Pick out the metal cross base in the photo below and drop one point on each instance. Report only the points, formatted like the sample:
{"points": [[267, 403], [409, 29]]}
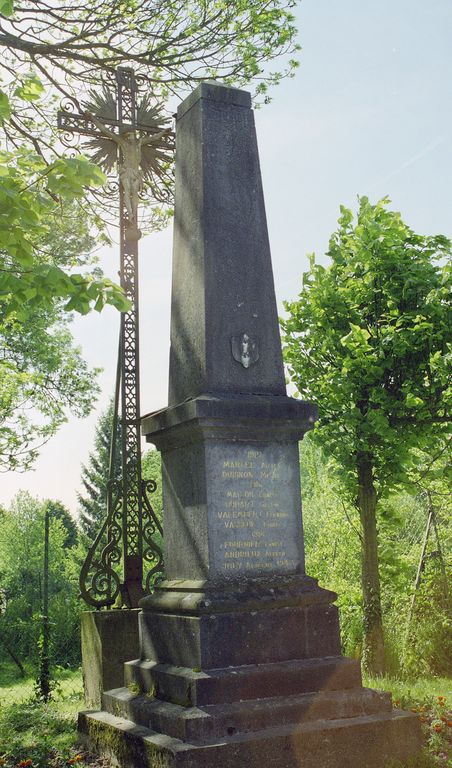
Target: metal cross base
{"points": [[100, 582]]}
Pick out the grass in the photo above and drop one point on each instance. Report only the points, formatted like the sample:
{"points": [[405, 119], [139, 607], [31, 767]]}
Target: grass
{"points": [[430, 699], [410, 692], [32, 730], [14, 688], [46, 734]]}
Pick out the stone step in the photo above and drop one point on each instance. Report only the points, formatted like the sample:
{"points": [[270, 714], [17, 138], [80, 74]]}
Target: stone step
{"points": [[210, 723], [189, 687], [359, 742]]}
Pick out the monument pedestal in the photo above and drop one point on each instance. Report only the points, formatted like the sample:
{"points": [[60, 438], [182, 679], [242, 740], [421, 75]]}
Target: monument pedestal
{"points": [[252, 676], [240, 659], [242, 666]]}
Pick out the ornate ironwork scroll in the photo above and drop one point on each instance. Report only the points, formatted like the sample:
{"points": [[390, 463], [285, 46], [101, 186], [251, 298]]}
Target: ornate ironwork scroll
{"points": [[120, 132]]}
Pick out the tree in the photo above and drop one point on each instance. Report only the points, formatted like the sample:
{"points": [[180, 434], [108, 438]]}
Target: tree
{"points": [[93, 503], [37, 262], [72, 50], [43, 376], [95, 475], [58, 511], [369, 340], [332, 540], [68, 55], [174, 44], [22, 548]]}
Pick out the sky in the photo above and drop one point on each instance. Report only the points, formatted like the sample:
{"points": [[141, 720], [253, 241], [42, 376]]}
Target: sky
{"points": [[368, 113]]}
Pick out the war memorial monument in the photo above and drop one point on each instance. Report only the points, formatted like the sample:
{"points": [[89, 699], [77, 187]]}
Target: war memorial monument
{"points": [[239, 650]]}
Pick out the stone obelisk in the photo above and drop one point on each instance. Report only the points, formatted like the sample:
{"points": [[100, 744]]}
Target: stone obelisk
{"points": [[240, 650]]}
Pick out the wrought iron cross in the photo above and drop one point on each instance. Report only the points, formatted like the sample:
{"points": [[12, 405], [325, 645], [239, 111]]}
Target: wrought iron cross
{"points": [[134, 139]]}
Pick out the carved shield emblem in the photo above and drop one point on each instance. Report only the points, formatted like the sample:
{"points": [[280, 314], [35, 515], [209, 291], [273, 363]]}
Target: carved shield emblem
{"points": [[245, 349]]}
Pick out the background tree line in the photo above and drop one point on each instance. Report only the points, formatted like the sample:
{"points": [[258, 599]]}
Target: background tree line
{"points": [[22, 562]]}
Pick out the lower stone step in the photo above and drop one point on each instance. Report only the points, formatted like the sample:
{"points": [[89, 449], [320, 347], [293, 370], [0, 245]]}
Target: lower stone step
{"points": [[190, 687], [359, 742], [202, 725]]}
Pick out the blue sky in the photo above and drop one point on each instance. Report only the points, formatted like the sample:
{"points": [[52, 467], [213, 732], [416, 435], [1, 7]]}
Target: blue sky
{"points": [[370, 113]]}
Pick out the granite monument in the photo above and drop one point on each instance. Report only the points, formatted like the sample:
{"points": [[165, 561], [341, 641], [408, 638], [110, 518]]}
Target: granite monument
{"points": [[240, 660]]}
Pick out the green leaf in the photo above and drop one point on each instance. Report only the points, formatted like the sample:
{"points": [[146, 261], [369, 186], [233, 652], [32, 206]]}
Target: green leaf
{"points": [[6, 7], [5, 107], [30, 89], [412, 401]]}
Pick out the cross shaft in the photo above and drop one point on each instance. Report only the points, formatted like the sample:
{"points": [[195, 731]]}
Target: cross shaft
{"points": [[131, 494]]}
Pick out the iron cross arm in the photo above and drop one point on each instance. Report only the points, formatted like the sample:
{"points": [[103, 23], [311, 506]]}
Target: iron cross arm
{"points": [[77, 122], [74, 122]]}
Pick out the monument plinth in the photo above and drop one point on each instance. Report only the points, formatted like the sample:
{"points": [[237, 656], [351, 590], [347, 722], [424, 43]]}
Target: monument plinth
{"points": [[240, 649]]}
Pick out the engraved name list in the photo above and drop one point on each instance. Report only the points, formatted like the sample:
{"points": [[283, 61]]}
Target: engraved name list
{"points": [[255, 518]]}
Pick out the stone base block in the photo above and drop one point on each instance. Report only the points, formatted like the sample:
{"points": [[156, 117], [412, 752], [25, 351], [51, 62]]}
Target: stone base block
{"points": [[109, 638], [368, 741], [254, 621], [259, 637]]}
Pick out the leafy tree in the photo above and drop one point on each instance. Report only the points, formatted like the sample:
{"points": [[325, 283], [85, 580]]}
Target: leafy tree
{"points": [[69, 55], [95, 474], [173, 44], [42, 377], [64, 50], [332, 541], [369, 340], [42, 374], [21, 568], [36, 263], [58, 511]]}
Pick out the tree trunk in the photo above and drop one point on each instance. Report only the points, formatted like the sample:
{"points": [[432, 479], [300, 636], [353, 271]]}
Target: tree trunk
{"points": [[373, 653], [14, 657], [44, 683]]}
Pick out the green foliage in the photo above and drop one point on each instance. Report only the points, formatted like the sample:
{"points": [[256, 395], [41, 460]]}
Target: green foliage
{"points": [[59, 512], [32, 274], [369, 341], [44, 261], [429, 699], [152, 470], [429, 649], [45, 241], [5, 108], [333, 551], [21, 559], [42, 377], [93, 503], [6, 7], [175, 43], [332, 541], [30, 89]]}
